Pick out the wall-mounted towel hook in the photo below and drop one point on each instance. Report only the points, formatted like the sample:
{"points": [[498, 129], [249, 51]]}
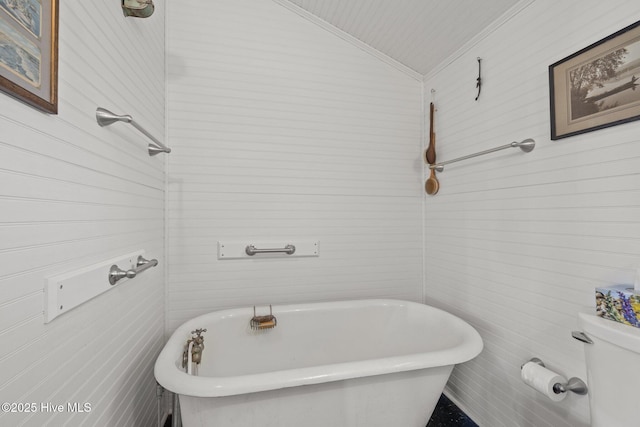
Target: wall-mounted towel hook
{"points": [[479, 79]]}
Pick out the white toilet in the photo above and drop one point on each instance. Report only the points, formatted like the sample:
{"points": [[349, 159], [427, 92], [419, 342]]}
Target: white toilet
{"points": [[613, 371]]}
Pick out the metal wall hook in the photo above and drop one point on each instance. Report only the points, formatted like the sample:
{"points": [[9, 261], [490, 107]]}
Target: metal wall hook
{"points": [[479, 79]]}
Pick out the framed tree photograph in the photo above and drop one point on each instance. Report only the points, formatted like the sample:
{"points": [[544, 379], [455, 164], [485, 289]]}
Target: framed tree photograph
{"points": [[597, 87], [29, 52]]}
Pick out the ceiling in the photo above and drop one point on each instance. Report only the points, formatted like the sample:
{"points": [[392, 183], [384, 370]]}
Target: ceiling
{"points": [[419, 34]]}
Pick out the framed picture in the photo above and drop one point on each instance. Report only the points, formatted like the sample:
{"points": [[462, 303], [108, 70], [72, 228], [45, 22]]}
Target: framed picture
{"points": [[29, 52], [597, 87]]}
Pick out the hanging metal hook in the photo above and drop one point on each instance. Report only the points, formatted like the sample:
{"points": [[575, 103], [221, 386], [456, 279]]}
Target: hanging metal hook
{"points": [[479, 79]]}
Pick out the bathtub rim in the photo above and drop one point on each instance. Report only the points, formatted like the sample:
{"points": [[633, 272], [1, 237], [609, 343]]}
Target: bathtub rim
{"points": [[177, 381]]}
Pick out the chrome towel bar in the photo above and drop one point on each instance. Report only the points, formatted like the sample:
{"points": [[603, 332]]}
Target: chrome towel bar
{"points": [[527, 145], [252, 250], [105, 118], [116, 273]]}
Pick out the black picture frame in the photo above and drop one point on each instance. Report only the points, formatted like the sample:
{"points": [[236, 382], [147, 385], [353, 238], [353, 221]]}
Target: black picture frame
{"points": [[597, 87]]}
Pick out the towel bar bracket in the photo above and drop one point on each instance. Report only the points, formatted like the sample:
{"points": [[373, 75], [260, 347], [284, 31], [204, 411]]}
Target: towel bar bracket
{"points": [[116, 273]]}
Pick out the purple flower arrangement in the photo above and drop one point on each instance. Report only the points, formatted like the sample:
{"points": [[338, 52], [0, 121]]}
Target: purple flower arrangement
{"points": [[627, 310], [619, 303]]}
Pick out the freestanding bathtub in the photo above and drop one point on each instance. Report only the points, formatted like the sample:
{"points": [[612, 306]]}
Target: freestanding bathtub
{"points": [[340, 364]]}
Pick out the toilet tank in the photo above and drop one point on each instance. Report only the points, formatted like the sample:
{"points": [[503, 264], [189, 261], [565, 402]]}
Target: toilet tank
{"points": [[613, 371]]}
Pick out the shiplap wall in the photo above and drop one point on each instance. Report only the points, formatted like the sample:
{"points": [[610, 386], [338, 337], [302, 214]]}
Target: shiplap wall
{"points": [[282, 130], [516, 243], [73, 194]]}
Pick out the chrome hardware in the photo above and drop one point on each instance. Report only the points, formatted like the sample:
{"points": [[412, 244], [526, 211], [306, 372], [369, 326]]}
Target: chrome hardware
{"points": [[144, 264], [154, 149], [527, 146], [574, 384], [581, 336], [116, 273], [252, 250], [105, 118]]}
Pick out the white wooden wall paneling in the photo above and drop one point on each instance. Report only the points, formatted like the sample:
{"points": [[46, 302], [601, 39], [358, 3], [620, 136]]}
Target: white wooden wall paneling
{"points": [[71, 194], [516, 243], [282, 130]]}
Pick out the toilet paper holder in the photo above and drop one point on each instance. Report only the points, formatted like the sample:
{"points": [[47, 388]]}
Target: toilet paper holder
{"points": [[574, 384]]}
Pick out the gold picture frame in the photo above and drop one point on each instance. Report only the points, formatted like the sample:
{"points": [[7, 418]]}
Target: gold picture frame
{"points": [[596, 87], [29, 52]]}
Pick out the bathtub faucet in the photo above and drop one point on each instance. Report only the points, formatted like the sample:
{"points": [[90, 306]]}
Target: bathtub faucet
{"points": [[193, 349]]}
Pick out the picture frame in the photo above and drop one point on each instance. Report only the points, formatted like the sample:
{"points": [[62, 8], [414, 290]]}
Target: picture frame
{"points": [[29, 52], [597, 87]]}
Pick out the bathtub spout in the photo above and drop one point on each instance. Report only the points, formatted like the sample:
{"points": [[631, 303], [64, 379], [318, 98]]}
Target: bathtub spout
{"points": [[192, 354]]}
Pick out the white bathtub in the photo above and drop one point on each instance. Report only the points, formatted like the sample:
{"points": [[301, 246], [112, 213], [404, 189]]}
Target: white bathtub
{"points": [[340, 364]]}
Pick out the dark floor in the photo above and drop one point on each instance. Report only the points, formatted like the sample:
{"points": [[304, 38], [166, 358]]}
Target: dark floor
{"points": [[446, 414]]}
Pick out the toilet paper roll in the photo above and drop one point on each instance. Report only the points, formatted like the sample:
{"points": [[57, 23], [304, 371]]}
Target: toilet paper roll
{"points": [[543, 380]]}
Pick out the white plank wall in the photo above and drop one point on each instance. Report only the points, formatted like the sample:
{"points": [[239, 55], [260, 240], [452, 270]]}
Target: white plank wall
{"points": [[282, 130], [73, 194], [516, 243]]}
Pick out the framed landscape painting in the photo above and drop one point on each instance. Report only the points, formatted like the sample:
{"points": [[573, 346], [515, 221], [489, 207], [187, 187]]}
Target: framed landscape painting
{"points": [[29, 52], [597, 87]]}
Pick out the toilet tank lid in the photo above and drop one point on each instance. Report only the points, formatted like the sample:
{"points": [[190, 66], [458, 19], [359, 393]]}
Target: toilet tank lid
{"points": [[625, 336]]}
